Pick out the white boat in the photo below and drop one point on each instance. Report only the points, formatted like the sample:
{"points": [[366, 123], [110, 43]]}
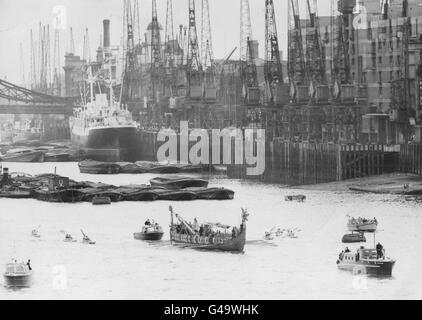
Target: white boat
{"points": [[18, 275], [362, 225]]}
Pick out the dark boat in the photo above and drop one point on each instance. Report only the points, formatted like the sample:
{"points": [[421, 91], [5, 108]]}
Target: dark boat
{"points": [[149, 233], [15, 194], [178, 182], [56, 157], [212, 193], [97, 201], [176, 195], [366, 262], [142, 195], [113, 196], [185, 235], [164, 169], [18, 275], [96, 167], [298, 198], [23, 156], [354, 238], [64, 195]]}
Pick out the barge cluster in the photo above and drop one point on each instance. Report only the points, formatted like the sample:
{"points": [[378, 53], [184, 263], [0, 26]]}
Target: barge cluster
{"points": [[55, 188]]}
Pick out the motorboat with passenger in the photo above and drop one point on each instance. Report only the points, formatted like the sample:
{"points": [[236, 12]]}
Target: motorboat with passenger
{"points": [[366, 262], [151, 231], [362, 225], [18, 275]]}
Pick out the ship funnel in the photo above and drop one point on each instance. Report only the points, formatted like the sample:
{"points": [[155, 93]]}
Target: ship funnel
{"points": [[106, 40]]}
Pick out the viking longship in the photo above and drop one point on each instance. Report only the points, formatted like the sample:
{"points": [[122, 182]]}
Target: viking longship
{"points": [[208, 236]]}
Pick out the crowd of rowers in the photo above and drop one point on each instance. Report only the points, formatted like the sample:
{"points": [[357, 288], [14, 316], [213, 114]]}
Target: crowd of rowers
{"points": [[206, 230]]}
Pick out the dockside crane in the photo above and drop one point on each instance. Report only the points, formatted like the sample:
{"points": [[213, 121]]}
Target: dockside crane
{"points": [[207, 54], [193, 66], [341, 62], [170, 76], [156, 62], [315, 53], [248, 72], [273, 70], [296, 64]]}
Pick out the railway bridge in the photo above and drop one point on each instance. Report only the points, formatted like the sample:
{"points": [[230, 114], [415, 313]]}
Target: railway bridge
{"points": [[18, 100]]}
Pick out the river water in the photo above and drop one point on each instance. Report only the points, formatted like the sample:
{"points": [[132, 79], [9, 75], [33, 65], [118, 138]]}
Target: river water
{"points": [[119, 267]]}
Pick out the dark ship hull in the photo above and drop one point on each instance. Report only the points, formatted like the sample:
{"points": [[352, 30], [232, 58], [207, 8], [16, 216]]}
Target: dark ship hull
{"points": [[108, 143]]}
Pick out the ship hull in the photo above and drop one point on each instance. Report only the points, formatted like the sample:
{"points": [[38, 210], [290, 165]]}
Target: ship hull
{"points": [[149, 236], [18, 281], [108, 143], [380, 268], [36, 156], [235, 245]]}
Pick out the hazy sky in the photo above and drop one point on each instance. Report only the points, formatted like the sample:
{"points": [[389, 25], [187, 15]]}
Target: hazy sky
{"points": [[17, 17]]}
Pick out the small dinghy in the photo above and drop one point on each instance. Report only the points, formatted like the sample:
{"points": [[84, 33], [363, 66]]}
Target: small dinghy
{"points": [[35, 233], [354, 238], [68, 238], [18, 275], [86, 239], [151, 231], [298, 198], [98, 201]]}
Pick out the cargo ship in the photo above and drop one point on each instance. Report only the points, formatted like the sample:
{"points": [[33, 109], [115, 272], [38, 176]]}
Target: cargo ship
{"points": [[103, 128]]}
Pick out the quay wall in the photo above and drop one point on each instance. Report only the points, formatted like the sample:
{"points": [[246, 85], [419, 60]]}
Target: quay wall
{"points": [[411, 158], [292, 163]]}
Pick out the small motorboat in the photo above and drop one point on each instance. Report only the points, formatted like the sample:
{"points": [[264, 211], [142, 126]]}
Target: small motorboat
{"points": [[18, 275], [362, 225], [150, 232], [68, 238], [298, 198], [366, 262], [86, 239], [354, 238], [98, 201]]}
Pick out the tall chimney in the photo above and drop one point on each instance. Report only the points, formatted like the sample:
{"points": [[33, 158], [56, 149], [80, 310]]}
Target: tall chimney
{"points": [[106, 42]]}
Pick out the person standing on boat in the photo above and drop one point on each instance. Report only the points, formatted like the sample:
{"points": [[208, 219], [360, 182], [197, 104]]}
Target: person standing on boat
{"points": [[148, 223], [380, 249], [29, 264], [195, 226]]}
